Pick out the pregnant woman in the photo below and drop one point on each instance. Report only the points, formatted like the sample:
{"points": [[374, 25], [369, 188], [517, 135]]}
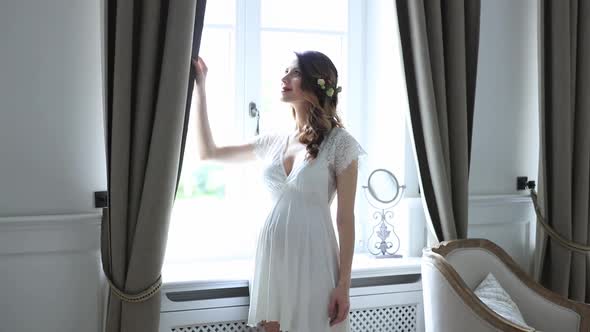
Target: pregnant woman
{"points": [[301, 278]]}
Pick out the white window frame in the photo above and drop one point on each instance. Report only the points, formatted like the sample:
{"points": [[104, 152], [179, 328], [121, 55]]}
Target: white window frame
{"points": [[247, 89], [248, 26]]}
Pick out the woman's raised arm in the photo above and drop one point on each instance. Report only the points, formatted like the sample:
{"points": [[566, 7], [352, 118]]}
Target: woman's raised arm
{"points": [[206, 145]]}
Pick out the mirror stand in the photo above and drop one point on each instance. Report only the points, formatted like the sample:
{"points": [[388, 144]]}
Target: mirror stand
{"points": [[383, 192]]}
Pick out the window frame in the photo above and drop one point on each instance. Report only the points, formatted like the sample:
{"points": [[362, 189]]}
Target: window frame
{"points": [[247, 88]]}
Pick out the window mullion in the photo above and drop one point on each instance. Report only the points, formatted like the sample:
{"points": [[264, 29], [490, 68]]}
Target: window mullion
{"points": [[249, 24], [356, 67], [240, 73], [356, 119]]}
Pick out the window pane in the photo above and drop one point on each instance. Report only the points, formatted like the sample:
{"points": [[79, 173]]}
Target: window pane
{"points": [[209, 228], [305, 14], [387, 92], [205, 188], [217, 50], [277, 53], [220, 12]]}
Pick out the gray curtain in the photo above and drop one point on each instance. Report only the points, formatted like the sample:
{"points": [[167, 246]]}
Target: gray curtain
{"points": [[440, 43], [564, 190], [150, 44]]}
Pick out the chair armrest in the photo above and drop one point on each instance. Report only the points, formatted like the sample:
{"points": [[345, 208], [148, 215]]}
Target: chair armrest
{"points": [[541, 308], [449, 305]]}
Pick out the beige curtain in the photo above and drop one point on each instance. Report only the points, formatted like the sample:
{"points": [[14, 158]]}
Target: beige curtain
{"points": [[440, 43], [564, 188], [150, 44]]}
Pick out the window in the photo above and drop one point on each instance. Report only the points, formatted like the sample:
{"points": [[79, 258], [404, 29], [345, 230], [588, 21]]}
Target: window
{"points": [[246, 45]]}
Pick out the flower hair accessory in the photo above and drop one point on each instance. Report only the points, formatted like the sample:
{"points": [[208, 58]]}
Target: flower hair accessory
{"points": [[328, 88]]}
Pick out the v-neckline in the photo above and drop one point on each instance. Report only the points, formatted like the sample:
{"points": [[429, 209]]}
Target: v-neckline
{"points": [[302, 163], [282, 159]]}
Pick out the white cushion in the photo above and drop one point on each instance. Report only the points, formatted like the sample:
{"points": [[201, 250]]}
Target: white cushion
{"points": [[495, 297]]}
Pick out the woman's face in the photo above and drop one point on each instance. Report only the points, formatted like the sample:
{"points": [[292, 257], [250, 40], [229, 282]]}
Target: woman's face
{"points": [[291, 84]]}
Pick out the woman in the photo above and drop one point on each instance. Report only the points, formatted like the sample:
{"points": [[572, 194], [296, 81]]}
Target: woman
{"points": [[301, 278]]}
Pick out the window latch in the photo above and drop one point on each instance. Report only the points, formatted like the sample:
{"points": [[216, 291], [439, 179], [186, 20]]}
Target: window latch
{"points": [[254, 113]]}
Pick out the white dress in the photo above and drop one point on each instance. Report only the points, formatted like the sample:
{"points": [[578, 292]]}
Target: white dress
{"points": [[297, 255]]}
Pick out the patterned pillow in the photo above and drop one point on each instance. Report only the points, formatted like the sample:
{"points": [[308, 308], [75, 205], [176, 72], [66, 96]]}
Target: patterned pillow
{"points": [[495, 297]]}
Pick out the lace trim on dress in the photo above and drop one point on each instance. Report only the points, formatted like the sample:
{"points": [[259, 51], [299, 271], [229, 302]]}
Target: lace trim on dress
{"points": [[343, 149]]}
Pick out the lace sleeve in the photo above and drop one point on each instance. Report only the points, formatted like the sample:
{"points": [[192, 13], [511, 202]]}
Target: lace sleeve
{"points": [[346, 149], [263, 144]]}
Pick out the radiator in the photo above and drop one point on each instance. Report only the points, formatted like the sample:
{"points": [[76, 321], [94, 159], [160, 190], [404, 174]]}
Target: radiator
{"points": [[378, 304]]}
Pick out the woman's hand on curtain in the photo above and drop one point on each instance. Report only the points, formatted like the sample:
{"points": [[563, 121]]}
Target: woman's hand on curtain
{"points": [[200, 71]]}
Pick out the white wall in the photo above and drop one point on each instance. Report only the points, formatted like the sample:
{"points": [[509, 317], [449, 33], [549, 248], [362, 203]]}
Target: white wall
{"points": [[50, 88], [52, 160], [505, 129]]}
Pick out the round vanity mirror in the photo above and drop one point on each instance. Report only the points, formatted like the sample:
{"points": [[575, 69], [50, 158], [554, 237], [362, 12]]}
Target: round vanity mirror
{"points": [[383, 186]]}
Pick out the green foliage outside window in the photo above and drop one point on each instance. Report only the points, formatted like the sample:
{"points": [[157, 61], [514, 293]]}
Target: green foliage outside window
{"points": [[207, 180]]}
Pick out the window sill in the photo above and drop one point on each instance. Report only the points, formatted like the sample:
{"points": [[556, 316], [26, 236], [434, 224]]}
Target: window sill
{"points": [[235, 273]]}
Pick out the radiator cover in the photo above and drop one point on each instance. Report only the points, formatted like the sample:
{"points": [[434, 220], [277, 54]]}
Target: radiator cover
{"points": [[388, 319], [384, 304]]}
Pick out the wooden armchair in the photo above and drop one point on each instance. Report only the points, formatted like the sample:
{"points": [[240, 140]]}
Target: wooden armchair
{"points": [[450, 272]]}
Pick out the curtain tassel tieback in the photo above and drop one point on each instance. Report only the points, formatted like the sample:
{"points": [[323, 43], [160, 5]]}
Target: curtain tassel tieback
{"points": [[138, 297], [583, 249]]}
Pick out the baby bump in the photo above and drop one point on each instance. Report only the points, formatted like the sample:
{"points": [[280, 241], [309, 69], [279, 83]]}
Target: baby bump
{"points": [[296, 230], [296, 218]]}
